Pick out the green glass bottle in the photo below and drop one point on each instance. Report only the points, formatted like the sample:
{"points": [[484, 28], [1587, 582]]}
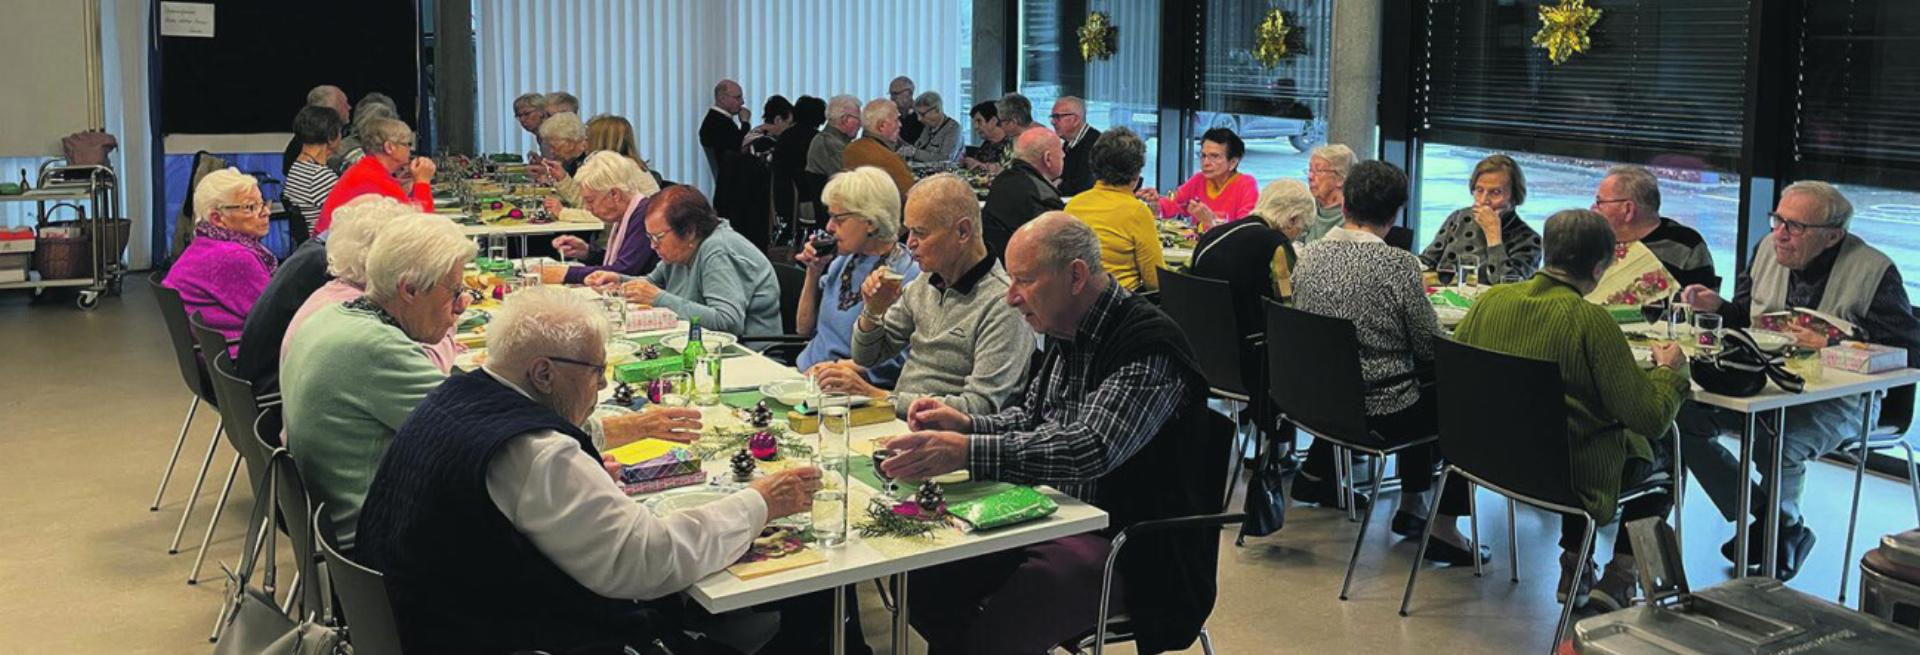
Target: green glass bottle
{"points": [[695, 347]]}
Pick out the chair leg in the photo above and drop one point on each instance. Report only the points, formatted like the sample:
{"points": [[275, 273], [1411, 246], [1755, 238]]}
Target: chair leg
{"points": [[1206, 641], [1366, 518], [1913, 478], [1853, 520], [178, 444], [227, 490], [1573, 585], [1473, 528], [1420, 555], [1679, 493], [192, 498], [1513, 543]]}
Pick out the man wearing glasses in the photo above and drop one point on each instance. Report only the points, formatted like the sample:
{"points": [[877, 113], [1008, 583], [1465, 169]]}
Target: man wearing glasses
{"points": [[1629, 198], [1808, 261], [900, 91], [389, 169], [828, 151], [1070, 122]]}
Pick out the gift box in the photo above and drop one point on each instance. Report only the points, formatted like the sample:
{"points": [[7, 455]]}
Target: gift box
{"points": [[655, 464], [663, 484], [652, 319], [1862, 357], [644, 370], [872, 413]]}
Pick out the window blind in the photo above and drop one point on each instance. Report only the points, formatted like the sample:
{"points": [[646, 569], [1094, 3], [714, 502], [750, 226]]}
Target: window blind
{"points": [[1659, 79], [1859, 87]]}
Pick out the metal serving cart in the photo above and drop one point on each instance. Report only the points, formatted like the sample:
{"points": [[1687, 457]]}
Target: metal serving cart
{"points": [[93, 192]]}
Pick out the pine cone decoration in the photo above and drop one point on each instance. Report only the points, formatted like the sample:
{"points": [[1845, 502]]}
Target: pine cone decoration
{"points": [[930, 497], [652, 352], [762, 415], [743, 465], [623, 395]]}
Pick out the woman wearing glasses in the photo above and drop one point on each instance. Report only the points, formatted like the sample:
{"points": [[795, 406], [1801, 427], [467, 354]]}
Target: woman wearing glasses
{"points": [[864, 215], [1219, 193], [225, 267], [1489, 231]]}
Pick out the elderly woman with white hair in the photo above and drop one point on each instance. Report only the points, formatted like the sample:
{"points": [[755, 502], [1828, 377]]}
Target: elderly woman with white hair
{"points": [[223, 270], [612, 187], [939, 140], [357, 225], [1255, 254], [564, 135], [354, 370], [864, 216], [1327, 170], [527, 500]]}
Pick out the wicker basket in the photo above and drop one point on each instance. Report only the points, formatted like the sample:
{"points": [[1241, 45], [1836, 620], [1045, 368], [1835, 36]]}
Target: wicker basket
{"points": [[61, 258]]}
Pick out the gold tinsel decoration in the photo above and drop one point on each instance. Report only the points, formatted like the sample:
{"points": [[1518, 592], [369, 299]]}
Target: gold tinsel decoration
{"points": [[1270, 40], [1099, 38], [1563, 29]]}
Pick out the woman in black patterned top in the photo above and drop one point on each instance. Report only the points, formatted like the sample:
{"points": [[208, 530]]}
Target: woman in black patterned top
{"points": [[1351, 273], [1489, 230], [317, 130]]}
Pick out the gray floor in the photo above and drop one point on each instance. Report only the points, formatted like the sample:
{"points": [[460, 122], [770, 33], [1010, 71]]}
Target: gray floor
{"points": [[92, 402]]}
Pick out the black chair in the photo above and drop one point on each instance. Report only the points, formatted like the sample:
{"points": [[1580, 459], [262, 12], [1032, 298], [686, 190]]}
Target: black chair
{"points": [[1510, 435], [1896, 417], [240, 411], [362, 591], [1328, 403], [193, 373], [1203, 308], [309, 595], [784, 348]]}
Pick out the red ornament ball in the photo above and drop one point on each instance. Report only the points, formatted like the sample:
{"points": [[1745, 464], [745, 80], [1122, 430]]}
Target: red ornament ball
{"points": [[763, 446]]}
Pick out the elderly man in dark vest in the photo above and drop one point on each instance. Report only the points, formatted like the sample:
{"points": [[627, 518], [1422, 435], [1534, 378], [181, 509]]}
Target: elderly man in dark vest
{"points": [[499, 529], [1809, 261], [1114, 415]]}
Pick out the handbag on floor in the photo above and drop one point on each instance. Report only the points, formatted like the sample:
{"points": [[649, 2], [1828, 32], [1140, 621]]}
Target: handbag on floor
{"points": [[252, 621], [1266, 502]]}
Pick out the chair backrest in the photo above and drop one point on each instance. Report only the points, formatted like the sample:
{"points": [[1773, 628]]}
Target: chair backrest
{"points": [[1203, 308], [186, 353], [792, 279], [296, 515], [239, 412], [362, 592], [1313, 372], [1504, 419]]}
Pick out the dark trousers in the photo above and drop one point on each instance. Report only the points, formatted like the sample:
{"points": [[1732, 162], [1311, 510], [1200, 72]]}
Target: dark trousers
{"points": [[1025, 600], [1416, 464], [1453, 501]]}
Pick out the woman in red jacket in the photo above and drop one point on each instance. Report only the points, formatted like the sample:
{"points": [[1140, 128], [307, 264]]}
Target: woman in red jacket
{"points": [[389, 169]]}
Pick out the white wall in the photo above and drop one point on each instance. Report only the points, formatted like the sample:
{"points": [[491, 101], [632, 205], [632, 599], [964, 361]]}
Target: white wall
{"points": [[655, 63]]}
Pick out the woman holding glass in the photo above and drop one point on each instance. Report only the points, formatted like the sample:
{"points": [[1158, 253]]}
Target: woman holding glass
{"points": [[1219, 193], [1489, 232], [864, 216]]}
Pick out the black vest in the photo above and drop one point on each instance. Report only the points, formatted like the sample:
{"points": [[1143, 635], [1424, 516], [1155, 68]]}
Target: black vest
{"points": [[460, 576]]}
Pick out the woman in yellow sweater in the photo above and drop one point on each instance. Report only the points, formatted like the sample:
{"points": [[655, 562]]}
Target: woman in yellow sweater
{"points": [[1129, 242]]}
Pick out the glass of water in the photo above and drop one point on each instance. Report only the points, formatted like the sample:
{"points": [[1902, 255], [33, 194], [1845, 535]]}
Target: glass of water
{"points": [[676, 389], [615, 306], [1469, 273], [706, 379], [1707, 332], [497, 249], [832, 446]]}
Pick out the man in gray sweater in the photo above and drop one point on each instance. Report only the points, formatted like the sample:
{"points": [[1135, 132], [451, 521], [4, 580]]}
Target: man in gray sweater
{"points": [[968, 348]]}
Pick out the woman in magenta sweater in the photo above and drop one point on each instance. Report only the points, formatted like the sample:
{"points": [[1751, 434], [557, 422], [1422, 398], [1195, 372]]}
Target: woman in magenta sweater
{"points": [[1219, 193], [224, 269]]}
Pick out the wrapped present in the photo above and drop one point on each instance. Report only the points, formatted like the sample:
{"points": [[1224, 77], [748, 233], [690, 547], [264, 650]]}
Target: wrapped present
{"points": [[663, 484], [872, 413], [1861, 357], [1011, 506], [643, 370], [655, 464], [651, 319], [1834, 327]]}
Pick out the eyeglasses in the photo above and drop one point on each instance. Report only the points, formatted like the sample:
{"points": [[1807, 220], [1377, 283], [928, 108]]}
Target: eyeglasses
{"points": [[1325, 171], [248, 208], [844, 215], [1060, 116], [525, 113], [598, 369], [1598, 201], [1794, 228], [659, 236]]}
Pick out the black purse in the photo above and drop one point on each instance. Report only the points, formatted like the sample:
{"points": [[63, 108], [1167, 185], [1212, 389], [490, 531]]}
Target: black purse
{"points": [[1742, 369], [1266, 502]]}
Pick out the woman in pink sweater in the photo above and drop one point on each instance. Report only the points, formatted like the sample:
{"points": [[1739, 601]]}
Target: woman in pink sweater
{"points": [[224, 269], [1219, 193]]}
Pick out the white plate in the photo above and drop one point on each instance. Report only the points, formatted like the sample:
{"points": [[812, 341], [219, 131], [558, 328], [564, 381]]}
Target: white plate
{"points": [[1772, 341], [664, 504], [715, 341], [621, 352], [789, 392]]}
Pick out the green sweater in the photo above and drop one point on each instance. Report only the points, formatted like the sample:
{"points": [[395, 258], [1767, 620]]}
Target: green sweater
{"points": [[348, 381], [1611, 403]]}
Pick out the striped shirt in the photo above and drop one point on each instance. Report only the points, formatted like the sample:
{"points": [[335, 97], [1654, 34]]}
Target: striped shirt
{"points": [[1069, 430], [307, 187]]}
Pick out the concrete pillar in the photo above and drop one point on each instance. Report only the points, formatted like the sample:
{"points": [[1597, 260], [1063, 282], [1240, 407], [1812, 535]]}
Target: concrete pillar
{"points": [[1354, 94], [991, 35]]}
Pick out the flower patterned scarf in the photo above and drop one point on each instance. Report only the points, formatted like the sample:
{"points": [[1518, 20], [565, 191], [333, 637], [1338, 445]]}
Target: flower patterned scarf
{"points": [[252, 243]]}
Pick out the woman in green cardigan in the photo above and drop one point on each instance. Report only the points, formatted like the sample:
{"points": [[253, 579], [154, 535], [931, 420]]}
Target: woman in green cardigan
{"points": [[1615, 410]]}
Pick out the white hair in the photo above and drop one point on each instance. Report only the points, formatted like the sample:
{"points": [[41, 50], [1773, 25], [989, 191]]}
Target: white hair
{"points": [[869, 192], [355, 224], [417, 251], [1072, 240], [543, 322], [377, 131], [561, 98], [1334, 154], [322, 96], [607, 170], [1838, 209], [531, 100], [1639, 184], [564, 125], [877, 111], [221, 187], [929, 101], [841, 105], [1285, 205]]}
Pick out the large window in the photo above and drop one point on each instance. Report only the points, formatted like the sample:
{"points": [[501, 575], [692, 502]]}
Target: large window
{"points": [[1122, 91], [1280, 111]]}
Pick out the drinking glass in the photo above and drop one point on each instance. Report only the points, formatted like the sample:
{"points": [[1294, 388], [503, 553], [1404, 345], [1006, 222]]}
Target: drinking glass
{"points": [[888, 488], [1676, 315], [615, 306], [706, 379], [1469, 271], [831, 449], [1707, 332], [1445, 274], [497, 248], [676, 389]]}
